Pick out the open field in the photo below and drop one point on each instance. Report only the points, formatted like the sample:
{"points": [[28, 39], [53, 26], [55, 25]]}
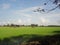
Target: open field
{"points": [[16, 31]]}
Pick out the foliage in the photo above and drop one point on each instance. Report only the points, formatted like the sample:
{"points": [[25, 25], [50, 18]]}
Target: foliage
{"points": [[15, 31], [56, 2]]}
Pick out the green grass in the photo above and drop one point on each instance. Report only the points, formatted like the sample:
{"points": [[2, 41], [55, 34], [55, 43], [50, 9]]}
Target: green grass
{"points": [[16, 31]]}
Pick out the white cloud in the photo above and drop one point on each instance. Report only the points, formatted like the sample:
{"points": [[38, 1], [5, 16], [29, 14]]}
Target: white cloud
{"points": [[25, 15], [19, 21], [29, 17], [5, 6], [43, 18], [28, 12], [25, 21], [44, 21], [29, 20], [32, 8], [22, 14]]}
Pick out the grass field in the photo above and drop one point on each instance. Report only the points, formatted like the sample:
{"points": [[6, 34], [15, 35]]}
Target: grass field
{"points": [[16, 31]]}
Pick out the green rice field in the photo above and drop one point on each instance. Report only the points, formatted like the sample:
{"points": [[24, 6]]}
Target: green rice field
{"points": [[6, 32]]}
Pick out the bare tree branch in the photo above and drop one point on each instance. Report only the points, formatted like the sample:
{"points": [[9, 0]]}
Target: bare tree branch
{"points": [[53, 9]]}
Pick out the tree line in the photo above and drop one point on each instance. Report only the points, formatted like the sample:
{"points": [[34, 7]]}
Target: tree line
{"points": [[31, 25]]}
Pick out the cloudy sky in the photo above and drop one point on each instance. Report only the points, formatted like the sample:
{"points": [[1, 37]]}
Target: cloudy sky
{"points": [[21, 12]]}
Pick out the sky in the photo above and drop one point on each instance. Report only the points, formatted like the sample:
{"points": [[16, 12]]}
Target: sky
{"points": [[22, 12]]}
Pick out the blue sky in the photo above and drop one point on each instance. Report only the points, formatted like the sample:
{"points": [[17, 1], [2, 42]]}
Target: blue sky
{"points": [[21, 12]]}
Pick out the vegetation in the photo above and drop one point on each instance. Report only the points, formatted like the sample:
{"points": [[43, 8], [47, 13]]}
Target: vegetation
{"points": [[13, 34], [56, 2], [29, 35], [15, 31]]}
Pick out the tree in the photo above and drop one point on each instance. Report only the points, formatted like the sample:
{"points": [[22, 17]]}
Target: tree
{"points": [[56, 2], [34, 25]]}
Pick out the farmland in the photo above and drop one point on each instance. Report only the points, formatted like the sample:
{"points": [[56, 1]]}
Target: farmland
{"points": [[7, 32]]}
